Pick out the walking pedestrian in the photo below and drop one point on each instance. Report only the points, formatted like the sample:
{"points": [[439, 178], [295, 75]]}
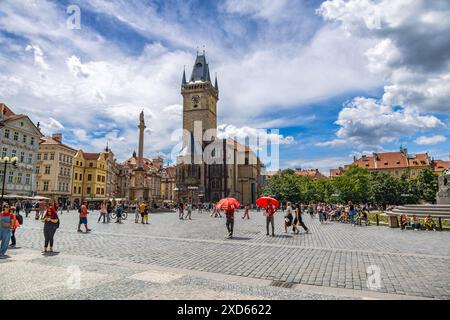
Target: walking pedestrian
{"points": [[180, 211], [270, 211], [246, 215], [18, 220], [18, 207], [103, 212], [83, 217], [351, 212], [230, 220], [109, 210], [28, 207], [51, 223], [42, 209], [119, 211], [189, 211], [146, 213], [298, 221], [6, 224], [288, 218], [141, 212]]}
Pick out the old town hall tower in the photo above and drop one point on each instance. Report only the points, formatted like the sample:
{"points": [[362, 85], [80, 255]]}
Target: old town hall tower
{"points": [[198, 179]]}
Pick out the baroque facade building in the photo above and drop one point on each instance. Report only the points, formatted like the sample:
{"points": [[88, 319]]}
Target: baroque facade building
{"points": [[89, 177], [54, 169], [19, 137], [151, 179], [168, 185], [209, 168]]}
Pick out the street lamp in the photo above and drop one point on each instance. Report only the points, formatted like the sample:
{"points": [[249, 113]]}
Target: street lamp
{"points": [[6, 161]]}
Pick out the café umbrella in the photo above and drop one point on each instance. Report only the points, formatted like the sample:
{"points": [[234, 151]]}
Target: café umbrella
{"points": [[228, 203], [265, 201]]}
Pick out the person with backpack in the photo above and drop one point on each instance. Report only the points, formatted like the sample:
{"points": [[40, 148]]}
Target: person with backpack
{"points": [[288, 218], [51, 224], [18, 221]]}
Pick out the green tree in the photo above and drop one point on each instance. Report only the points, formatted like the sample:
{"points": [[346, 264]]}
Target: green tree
{"points": [[427, 184], [353, 185]]}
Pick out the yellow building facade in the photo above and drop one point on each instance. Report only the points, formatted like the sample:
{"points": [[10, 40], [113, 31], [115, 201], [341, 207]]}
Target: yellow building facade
{"points": [[89, 177]]}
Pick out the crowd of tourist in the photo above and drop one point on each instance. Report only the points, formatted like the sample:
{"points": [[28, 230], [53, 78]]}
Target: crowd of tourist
{"points": [[293, 214]]}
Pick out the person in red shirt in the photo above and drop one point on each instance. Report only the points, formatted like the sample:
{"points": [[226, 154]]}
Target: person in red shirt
{"points": [[83, 217], [51, 223], [230, 220], [270, 211], [6, 223]]}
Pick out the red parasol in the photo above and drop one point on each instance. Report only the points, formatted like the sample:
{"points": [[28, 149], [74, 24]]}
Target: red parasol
{"points": [[264, 202], [228, 203]]}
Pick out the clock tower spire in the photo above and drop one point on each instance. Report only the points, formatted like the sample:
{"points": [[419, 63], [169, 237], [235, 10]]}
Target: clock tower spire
{"points": [[200, 97]]}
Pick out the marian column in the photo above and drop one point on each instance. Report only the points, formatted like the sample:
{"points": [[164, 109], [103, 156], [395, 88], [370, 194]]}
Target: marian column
{"points": [[141, 127], [140, 190]]}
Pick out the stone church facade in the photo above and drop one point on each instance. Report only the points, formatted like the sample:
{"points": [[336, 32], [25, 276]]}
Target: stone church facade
{"points": [[209, 168]]}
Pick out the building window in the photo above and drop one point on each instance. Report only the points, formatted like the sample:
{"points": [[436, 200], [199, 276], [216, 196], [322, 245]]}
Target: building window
{"points": [[28, 179], [4, 152], [45, 156], [10, 177], [24, 138], [22, 157], [91, 164], [76, 176], [30, 158], [45, 185], [47, 170], [37, 170], [98, 190], [19, 178], [13, 153], [39, 156], [32, 141], [7, 132], [52, 156], [81, 176], [16, 136], [74, 189], [89, 178]]}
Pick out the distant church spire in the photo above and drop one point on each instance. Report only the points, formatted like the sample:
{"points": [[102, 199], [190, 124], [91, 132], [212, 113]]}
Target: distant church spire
{"points": [[216, 85], [184, 76]]}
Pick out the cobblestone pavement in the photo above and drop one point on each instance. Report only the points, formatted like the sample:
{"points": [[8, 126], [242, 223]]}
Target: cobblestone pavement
{"points": [[191, 259]]}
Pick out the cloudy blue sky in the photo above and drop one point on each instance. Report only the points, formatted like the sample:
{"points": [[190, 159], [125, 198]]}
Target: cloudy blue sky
{"points": [[337, 78]]}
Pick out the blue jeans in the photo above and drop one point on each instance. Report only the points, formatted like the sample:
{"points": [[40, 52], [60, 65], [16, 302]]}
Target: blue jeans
{"points": [[5, 236]]}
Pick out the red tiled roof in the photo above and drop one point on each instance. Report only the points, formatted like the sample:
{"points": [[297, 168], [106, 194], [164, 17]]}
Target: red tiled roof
{"points": [[51, 141], [5, 110], [313, 173], [440, 165], [91, 156]]}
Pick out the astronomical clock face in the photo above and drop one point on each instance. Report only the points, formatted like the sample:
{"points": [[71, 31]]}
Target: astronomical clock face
{"points": [[195, 101]]}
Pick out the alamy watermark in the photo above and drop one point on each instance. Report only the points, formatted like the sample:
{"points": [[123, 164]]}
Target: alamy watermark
{"points": [[74, 279], [211, 147], [374, 278], [74, 19]]}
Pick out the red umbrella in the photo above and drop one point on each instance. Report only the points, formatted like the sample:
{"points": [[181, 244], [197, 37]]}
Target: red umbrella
{"points": [[264, 202], [228, 203]]}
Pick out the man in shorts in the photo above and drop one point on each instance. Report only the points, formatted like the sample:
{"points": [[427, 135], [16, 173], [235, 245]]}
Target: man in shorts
{"points": [[83, 217]]}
